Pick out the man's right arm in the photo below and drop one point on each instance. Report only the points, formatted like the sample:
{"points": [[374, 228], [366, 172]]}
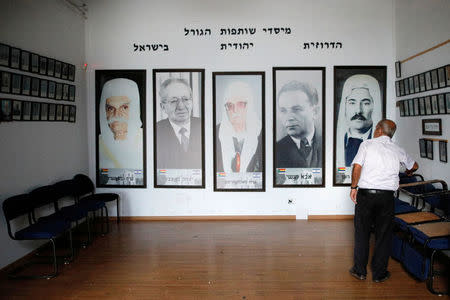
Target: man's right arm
{"points": [[412, 170]]}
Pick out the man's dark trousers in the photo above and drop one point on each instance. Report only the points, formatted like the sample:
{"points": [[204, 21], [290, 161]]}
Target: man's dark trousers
{"points": [[378, 209]]}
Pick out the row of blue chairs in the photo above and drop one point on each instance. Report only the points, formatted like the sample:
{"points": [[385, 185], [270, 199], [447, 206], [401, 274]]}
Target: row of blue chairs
{"points": [[61, 221]]}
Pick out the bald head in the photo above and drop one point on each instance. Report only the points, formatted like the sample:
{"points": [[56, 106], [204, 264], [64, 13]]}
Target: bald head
{"points": [[387, 127]]}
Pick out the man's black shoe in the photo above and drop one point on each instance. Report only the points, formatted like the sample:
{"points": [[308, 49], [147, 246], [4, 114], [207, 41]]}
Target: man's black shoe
{"points": [[356, 275], [384, 278]]}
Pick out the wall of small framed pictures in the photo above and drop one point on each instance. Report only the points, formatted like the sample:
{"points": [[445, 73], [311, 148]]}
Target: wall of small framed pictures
{"points": [[437, 104], [427, 81], [426, 149]]}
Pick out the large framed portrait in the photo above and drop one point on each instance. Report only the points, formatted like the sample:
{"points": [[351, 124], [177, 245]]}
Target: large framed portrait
{"points": [[120, 128], [179, 128], [299, 123], [239, 132], [359, 104]]}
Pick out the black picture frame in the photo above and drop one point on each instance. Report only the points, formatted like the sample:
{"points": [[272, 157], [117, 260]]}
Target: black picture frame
{"points": [[416, 107], [6, 82], [397, 88], [406, 85], [65, 93], [26, 85], [26, 111], [50, 67], [132, 172], [398, 69], [422, 106], [416, 84], [34, 61], [441, 77], [52, 112], [401, 108], [43, 88], [16, 84], [35, 111], [59, 91], [447, 102], [434, 79], [434, 105], [71, 72], [441, 104], [51, 89], [4, 55], [249, 88], [42, 65], [411, 107], [447, 74], [15, 58], [72, 114], [430, 150], [428, 110], [175, 167], [406, 106], [5, 110], [422, 148], [443, 151], [35, 85], [57, 69], [293, 90], [64, 71], [59, 112], [66, 113], [44, 112], [432, 126], [16, 110], [422, 82], [428, 85], [72, 93], [402, 88], [372, 80], [25, 60], [411, 85]]}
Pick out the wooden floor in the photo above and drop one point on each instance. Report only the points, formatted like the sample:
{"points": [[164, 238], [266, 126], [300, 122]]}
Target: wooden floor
{"points": [[218, 260]]}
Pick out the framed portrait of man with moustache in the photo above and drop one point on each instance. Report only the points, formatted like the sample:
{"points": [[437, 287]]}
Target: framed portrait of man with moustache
{"points": [[178, 108], [359, 104], [299, 122], [120, 128]]}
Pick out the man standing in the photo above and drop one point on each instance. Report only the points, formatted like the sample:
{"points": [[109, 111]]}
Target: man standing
{"points": [[179, 142], [298, 110], [375, 173]]}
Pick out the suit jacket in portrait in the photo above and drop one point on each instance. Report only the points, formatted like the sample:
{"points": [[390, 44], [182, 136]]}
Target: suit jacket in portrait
{"points": [[169, 151], [288, 155]]}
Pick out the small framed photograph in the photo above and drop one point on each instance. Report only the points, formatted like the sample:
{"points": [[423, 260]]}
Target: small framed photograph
{"points": [[35, 111], [411, 85], [443, 151], [57, 69], [428, 105], [434, 79], [6, 82], [406, 84], [428, 85], [72, 93], [441, 103], [432, 126], [35, 86], [44, 111], [401, 108], [17, 110], [402, 88], [59, 112], [416, 107], [447, 102], [59, 88], [398, 69], [411, 107], [397, 88], [34, 63], [422, 106], [52, 112], [447, 74], [416, 84], [422, 82], [406, 106], [64, 71], [15, 58], [72, 113], [66, 113], [44, 88], [51, 67], [441, 77], [6, 109], [25, 60], [42, 65], [4, 55], [429, 149], [65, 95], [51, 89], [16, 84], [423, 148], [26, 111], [71, 75], [434, 105], [26, 85]]}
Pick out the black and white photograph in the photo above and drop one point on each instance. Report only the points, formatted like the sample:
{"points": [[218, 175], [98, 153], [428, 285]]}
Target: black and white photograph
{"points": [[239, 133], [57, 69], [25, 60], [71, 75], [35, 111], [434, 105], [447, 74], [422, 106], [428, 85], [412, 112], [441, 77], [71, 93], [432, 126], [434, 79], [398, 69], [6, 110], [35, 86], [72, 113], [59, 112], [299, 141], [4, 55], [17, 110], [359, 104], [406, 106], [411, 85], [428, 110], [66, 113], [423, 148], [443, 151], [422, 82], [416, 84], [402, 88], [59, 88], [42, 65], [15, 58], [16, 83], [447, 102], [64, 71], [51, 89], [401, 108], [430, 149], [441, 103], [416, 107], [51, 67], [26, 111], [406, 84], [52, 112], [65, 94], [120, 128], [44, 111], [178, 102], [34, 63], [26, 85], [397, 88], [6, 82], [43, 92]]}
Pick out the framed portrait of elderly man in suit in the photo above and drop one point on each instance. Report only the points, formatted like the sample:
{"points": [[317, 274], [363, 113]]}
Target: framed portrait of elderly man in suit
{"points": [[299, 141], [239, 135], [178, 107], [120, 128], [359, 104]]}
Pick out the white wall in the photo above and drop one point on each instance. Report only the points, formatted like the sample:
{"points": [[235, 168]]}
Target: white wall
{"points": [[421, 25], [40, 153], [364, 27]]}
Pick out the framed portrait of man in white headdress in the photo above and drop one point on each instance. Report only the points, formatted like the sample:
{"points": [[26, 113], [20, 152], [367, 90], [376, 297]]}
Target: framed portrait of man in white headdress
{"points": [[359, 104], [120, 128], [299, 118], [178, 108], [239, 134]]}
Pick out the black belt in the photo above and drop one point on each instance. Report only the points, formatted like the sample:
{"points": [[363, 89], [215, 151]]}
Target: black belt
{"points": [[375, 191]]}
